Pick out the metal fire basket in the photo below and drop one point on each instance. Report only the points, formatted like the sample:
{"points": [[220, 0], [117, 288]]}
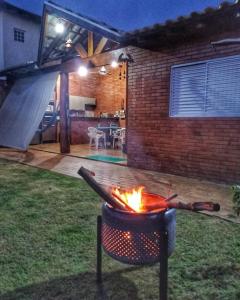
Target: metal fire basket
{"points": [[137, 239]]}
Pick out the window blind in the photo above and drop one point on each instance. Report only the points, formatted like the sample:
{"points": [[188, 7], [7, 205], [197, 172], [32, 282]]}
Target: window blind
{"points": [[206, 89]]}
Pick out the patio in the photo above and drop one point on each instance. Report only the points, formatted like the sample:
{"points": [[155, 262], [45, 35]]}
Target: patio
{"points": [[48, 230], [85, 151], [188, 189]]}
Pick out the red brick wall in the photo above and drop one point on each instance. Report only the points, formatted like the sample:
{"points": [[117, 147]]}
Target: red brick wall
{"points": [[79, 128], [83, 86], [207, 148], [109, 91]]}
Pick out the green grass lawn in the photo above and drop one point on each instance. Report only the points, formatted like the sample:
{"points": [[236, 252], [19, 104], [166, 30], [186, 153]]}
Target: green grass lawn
{"points": [[48, 242]]}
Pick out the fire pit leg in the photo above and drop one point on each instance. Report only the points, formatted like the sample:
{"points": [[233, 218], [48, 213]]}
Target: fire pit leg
{"points": [[99, 249], [163, 280]]}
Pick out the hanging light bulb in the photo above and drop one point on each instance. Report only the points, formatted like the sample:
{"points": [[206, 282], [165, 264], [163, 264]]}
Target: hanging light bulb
{"points": [[103, 71], [114, 64], [59, 27], [68, 43], [82, 71]]}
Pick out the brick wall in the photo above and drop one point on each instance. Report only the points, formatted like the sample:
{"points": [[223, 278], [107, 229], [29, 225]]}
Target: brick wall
{"points": [[207, 148], [109, 91], [83, 86]]}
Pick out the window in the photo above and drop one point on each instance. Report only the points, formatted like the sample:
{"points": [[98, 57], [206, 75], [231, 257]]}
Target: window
{"points": [[206, 89], [19, 35]]}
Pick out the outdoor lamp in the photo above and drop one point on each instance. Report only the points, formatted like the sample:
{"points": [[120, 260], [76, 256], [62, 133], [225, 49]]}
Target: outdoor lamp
{"points": [[59, 27], [68, 43], [103, 71], [114, 64], [82, 71]]}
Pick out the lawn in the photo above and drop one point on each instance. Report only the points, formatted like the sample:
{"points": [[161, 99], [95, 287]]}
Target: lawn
{"points": [[48, 246]]}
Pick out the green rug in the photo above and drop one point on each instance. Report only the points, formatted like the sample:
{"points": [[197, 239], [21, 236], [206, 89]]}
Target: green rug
{"points": [[106, 158]]}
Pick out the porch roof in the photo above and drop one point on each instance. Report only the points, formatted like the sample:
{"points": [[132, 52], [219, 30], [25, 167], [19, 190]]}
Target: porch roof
{"points": [[87, 36]]}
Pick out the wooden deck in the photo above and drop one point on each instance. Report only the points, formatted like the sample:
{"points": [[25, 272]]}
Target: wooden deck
{"points": [[116, 175]]}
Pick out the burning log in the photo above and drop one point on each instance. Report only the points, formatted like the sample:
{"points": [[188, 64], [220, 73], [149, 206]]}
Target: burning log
{"points": [[138, 201], [157, 203], [116, 203], [195, 206]]}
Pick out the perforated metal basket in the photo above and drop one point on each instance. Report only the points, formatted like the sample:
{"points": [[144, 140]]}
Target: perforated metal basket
{"points": [[135, 238]]}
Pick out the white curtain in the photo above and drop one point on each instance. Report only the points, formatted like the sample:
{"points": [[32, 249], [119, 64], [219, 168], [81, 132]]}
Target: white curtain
{"points": [[24, 108]]}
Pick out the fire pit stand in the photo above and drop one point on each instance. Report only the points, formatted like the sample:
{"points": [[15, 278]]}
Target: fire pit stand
{"points": [[137, 240]]}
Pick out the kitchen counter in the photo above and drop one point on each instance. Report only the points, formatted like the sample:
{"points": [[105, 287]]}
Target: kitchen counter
{"points": [[94, 119]]}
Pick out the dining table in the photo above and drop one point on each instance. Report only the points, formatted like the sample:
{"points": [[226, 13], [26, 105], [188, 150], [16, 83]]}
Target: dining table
{"points": [[108, 131]]}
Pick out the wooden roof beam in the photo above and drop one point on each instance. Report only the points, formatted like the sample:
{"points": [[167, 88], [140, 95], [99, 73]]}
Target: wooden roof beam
{"points": [[102, 43], [90, 43], [81, 50]]}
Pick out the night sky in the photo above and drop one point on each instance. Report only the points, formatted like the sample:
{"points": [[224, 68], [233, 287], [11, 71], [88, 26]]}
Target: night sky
{"points": [[126, 14]]}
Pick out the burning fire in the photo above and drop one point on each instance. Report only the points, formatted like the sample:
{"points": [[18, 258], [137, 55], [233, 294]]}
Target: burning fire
{"points": [[132, 198]]}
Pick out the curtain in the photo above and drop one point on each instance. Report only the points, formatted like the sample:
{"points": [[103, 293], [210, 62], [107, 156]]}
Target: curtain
{"points": [[24, 108]]}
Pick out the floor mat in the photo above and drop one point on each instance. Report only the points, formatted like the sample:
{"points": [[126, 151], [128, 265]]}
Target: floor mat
{"points": [[106, 158]]}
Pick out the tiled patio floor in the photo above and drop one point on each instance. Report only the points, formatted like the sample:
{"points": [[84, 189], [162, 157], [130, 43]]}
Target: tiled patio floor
{"points": [[84, 150], [113, 174]]}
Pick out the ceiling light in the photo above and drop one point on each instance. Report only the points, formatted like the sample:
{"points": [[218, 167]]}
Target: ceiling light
{"points": [[59, 27], [68, 43], [82, 71], [103, 71], [114, 64]]}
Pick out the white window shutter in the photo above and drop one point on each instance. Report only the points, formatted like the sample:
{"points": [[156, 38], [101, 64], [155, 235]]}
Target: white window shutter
{"points": [[206, 89], [223, 87]]}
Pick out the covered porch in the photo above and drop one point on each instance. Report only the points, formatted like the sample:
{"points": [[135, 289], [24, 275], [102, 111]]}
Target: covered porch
{"points": [[91, 92], [86, 114]]}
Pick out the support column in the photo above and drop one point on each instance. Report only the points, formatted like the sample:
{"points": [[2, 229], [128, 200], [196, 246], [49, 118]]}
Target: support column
{"points": [[64, 106]]}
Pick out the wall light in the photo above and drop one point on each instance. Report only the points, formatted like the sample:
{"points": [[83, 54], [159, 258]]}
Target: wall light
{"points": [[82, 71], [114, 64], [59, 27]]}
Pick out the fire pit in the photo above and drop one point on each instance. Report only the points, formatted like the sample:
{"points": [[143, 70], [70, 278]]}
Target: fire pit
{"points": [[137, 228], [135, 238]]}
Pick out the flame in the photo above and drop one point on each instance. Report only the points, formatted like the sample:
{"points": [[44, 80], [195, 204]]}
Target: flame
{"points": [[132, 198]]}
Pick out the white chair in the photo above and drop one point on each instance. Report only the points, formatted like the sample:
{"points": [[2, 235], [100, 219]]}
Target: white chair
{"points": [[95, 135], [119, 136]]}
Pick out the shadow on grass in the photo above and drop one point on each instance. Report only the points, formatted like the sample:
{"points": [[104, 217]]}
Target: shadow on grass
{"points": [[79, 287]]}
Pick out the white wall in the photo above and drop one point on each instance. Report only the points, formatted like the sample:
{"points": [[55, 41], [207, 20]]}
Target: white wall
{"points": [[17, 53], [1, 42]]}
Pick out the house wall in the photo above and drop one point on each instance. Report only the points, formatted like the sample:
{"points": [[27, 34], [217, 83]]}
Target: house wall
{"points": [[207, 148], [1, 42], [17, 53]]}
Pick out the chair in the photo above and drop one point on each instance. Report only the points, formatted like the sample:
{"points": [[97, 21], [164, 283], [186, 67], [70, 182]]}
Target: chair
{"points": [[119, 135], [95, 135], [113, 128]]}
